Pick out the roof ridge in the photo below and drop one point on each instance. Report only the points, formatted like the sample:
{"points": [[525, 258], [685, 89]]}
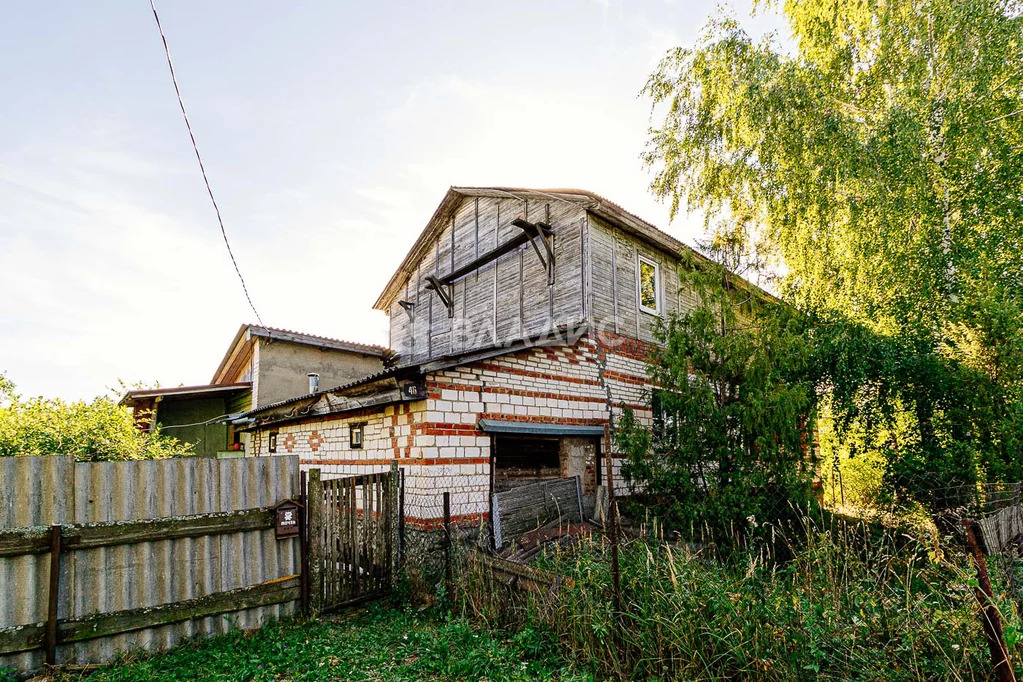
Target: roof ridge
{"points": [[321, 337]]}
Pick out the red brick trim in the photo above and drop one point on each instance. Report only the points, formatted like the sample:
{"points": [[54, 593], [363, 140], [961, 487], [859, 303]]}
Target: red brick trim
{"points": [[447, 429], [626, 346], [527, 394], [621, 377], [434, 461], [445, 385], [574, 421], [438, 523]]}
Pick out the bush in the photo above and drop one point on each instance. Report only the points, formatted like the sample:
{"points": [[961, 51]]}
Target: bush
{"points": [[97, 430]]}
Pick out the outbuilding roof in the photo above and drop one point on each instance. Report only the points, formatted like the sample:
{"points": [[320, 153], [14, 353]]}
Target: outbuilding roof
{"points": [[184, 392]]}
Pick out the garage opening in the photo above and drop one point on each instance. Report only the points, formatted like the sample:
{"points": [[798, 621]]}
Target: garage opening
{"points": [[520, 460], [524, 453]]}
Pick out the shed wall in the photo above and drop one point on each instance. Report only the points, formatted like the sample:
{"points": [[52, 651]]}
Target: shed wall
{"points": [[282, 368]]}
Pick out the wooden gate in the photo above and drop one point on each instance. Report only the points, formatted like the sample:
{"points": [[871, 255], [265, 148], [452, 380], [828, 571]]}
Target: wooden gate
{"points": [[352, 538]]}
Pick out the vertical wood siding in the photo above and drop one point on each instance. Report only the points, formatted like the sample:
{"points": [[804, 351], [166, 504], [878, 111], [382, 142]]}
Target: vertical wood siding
{"points": [[596, 280], [615, 299], [504, 299]]}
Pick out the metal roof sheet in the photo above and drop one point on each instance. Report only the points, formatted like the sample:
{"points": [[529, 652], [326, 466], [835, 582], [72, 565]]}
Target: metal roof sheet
{"points": [[352, 384], [539, 428], [184, 391]]}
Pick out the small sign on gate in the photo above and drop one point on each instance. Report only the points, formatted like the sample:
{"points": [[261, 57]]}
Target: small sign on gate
{"points": [[286, 516]]}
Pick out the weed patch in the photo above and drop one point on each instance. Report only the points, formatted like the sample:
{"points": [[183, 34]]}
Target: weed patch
{"points": [[843, 607]]}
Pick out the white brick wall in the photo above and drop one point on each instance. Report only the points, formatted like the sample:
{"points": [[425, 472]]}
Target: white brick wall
{"points": [[436, 441]]}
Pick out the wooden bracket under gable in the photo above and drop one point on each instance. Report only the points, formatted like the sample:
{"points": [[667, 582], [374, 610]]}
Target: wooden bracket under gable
{"points": [[443, 292], [409, 308], [539, 232]]}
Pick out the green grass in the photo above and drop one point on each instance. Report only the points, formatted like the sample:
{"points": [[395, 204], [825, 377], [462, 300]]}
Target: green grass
{"points": [[378, 643]]}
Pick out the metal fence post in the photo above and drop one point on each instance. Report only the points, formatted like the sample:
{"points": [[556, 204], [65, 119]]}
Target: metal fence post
{"points": [[447, 544], [401, 519], [393, 525], [303, 543]]}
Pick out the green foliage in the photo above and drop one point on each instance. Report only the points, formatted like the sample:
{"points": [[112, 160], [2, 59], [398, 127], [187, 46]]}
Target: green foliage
{"points": [[733, 411], [378, 644], [854, 603], [96, 430], [882, 163]]}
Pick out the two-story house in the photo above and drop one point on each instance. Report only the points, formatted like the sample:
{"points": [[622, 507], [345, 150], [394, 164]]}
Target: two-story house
{"points": [[520, 321]]}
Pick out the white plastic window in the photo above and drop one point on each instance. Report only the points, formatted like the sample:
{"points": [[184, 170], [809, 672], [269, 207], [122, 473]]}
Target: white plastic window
{"points": [[649, 286]]}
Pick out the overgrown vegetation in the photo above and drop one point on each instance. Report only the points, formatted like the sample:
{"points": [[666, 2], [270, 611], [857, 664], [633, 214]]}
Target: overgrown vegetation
{"points": [[734, 408], [852, 604], [96, 430], [879, 163], [379, 643]]}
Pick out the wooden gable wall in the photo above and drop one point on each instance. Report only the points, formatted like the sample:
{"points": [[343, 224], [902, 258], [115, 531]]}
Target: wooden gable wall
{"points": [[503, 300]]}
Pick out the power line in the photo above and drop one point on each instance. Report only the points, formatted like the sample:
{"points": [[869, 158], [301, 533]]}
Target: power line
{"points": [[198, 157]]}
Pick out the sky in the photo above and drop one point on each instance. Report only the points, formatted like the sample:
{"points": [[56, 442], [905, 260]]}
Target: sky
{"points": [[330, 132]]}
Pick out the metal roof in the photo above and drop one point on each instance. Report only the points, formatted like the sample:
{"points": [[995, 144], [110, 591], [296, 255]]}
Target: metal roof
{"points": [[538, 428], [185, 391], [384, 374]]}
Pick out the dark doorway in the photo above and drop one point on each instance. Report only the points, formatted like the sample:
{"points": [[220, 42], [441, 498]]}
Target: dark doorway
{"points": [[519, 460]]}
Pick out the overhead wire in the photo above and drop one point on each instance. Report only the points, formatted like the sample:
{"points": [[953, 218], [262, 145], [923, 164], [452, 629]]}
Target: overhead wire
{"points": [[202, 167]]}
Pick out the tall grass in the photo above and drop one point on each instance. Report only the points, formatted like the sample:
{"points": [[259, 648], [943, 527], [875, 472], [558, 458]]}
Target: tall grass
{"points": [[845, 605]]}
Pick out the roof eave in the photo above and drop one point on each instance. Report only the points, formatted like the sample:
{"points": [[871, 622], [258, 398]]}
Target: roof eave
{"points": [[226, 360], [447, 204], [184, 391]]}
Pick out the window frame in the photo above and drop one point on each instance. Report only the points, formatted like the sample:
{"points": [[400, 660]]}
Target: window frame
{"points": [[359, 428], [640, 260]]}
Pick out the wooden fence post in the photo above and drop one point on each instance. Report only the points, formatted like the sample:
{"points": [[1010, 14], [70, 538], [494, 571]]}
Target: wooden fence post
{"points": [[613, 538], [990, 618], [303, 543], [393, 524], [51, 608], [315, 547]]}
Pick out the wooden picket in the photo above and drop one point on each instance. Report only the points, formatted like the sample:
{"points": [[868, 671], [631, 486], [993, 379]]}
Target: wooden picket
{"points": [[351, 548]]}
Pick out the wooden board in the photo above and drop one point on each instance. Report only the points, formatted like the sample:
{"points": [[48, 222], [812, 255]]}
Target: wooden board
{"points": [[528, 507]]}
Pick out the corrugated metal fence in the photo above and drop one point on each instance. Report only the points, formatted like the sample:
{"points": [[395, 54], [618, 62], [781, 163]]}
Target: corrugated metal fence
{"points": [[41, 491]]}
